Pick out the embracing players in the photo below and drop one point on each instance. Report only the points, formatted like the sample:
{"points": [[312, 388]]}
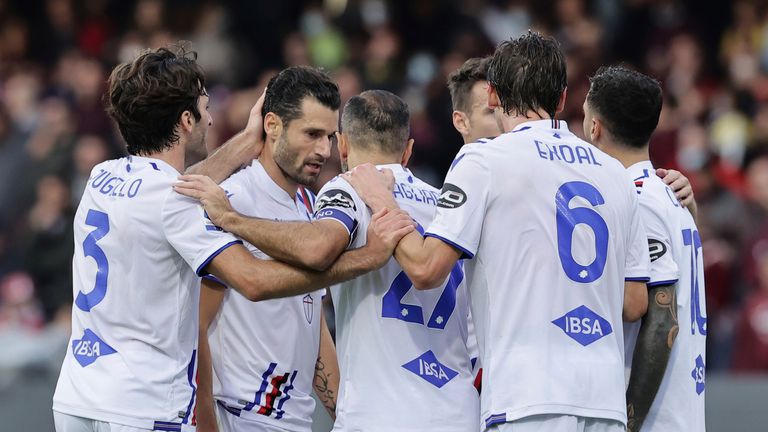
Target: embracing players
{"points": [[140, 247], [555, 253]]}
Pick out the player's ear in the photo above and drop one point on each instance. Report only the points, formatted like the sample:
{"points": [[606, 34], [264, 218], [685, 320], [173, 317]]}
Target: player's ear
{"points": [[493, 98], [596, 131], [187, 121], [273, 126], [343, 147], [561, 101], [460, 122], [408, 152]]}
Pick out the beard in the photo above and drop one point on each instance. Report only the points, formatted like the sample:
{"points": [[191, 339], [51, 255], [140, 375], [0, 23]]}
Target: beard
{"points": [[286, 159]]}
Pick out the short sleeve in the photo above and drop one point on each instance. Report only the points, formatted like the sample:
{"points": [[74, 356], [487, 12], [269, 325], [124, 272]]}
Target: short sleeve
{"points": [[637, 261], [663, 268], [338, 201], [462, 205], [194, 236]]}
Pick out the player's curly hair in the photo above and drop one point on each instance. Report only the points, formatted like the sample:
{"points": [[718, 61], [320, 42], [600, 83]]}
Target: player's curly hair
{"points": [[146, 97], [460, 81], [528, 74], [628, 102]]}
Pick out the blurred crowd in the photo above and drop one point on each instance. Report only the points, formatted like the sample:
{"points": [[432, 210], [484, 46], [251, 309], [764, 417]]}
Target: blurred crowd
{"points": [[55, 57]]}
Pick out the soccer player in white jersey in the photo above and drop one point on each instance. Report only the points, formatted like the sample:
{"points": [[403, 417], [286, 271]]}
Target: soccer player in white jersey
{"points": [[268, 384], [472, 117], [555, 253], [404, 358], [666, 385], [139, 248]]}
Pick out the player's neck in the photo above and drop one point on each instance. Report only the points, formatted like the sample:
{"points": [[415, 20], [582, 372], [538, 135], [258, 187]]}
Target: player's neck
{"points": [[276, 173], [510, 122], [174, 157], [359, 158], [627, 156]]}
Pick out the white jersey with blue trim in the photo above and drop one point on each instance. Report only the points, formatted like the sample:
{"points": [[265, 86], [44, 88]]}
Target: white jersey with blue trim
{"points": [[676, 258], [551, 229], [403, 353], [264, 353], [138, 245]]}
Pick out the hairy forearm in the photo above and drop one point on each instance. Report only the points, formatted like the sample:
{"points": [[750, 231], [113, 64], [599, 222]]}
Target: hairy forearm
{"points": [[236, 152], [654, 345], [295, 243], [277, 279]]}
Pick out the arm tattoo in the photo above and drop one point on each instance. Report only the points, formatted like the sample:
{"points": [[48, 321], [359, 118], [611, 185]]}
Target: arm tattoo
{"points": [[654, 344], [326, 395]]}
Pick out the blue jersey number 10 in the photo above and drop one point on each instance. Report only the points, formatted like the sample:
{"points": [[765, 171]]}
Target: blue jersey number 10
{"points": [[100, 221], [567, 220], [698, 319]]}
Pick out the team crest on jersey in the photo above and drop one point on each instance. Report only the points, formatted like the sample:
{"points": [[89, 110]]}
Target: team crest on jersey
{"points": [[430, 369], [90, 348], [309, 307], [699, 375], [656, 248], [335, 198], [583, 325], [451, 196]]}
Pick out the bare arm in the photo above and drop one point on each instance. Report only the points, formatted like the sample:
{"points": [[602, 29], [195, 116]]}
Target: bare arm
{"points": [[312, 245], [211, 296], [240, 150], [426, 261], [654, 345], [265, 279], [635, 300], [326, 381]]}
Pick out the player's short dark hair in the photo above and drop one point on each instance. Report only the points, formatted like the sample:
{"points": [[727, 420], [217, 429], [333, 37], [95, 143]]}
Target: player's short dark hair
{"points": [[628, 102], [528, 74], [461, 80], [377, 120], [147, 96], [287, 90]]}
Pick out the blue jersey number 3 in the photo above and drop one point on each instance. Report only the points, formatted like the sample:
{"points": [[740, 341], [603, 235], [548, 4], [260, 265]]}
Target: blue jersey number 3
{"points": [[100, 221], [567, 220]]}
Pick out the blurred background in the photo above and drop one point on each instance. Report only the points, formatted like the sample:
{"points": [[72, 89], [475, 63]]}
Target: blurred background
{"points": [[55, 56]]}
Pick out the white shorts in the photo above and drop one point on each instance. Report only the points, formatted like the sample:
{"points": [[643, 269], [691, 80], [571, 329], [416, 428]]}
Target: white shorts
{"points": [[229, 422], [559, 423], [69, 423]]}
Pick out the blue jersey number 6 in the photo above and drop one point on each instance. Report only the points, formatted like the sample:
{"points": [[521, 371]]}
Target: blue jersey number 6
{"points": [[567, 220], [100, 221]]}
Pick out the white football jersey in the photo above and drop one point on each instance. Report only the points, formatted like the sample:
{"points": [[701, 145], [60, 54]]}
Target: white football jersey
{"points": [[405, 364], [551, 229], [676, 258], [139, 248], [264, 353]]}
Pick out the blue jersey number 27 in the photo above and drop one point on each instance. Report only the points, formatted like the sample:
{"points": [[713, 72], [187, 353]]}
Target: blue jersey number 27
{"points": [[393, 307], [567, 220], [100, 221]]}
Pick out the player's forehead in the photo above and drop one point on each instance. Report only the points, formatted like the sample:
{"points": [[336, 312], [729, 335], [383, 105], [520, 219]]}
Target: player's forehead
{"points": [[314, 115]]}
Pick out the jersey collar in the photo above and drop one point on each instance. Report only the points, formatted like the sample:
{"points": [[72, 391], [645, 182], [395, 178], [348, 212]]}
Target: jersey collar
{"points": [[542, 124], [155, 164], [639, 168]]}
